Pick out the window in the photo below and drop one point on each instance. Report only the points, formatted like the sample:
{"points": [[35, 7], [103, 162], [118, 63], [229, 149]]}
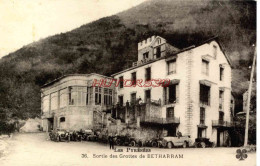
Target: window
{"points": [[204, 94], [121, 100], [121, 82], [62, 119], [221, 117], [148, 74], [107, 96], [202, 115], [159, 41], [221, 73], [133, 98], [72, 95], [77, 95], [89, 91], [221, 99], [147, 95], [134, 78], [170, 112], [63, 98], [82, 93], [54, 101], [45, 103], [172, 66], [110, 96], [158, 52], [171, 94], [215, 51], [205, 67], [97, 95], [145, 55]]}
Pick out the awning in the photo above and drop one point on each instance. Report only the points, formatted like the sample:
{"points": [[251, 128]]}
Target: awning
{"points": [[206, 82]]}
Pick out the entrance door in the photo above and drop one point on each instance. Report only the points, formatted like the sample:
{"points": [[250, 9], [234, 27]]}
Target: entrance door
{"points": [[172, 131], [199, 132], [218, 138], [50, 124]]}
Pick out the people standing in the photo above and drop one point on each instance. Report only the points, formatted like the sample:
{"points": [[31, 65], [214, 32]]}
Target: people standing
{"points": [[111, 141]]}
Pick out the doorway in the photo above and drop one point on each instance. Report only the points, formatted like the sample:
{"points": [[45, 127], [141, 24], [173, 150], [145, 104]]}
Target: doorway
{"points": [[49, 124]]}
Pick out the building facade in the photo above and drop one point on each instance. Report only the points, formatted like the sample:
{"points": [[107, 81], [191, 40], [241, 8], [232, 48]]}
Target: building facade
{"points": [[71, 102], [196, 100]]}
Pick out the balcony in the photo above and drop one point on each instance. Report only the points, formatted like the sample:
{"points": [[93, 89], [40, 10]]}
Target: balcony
{"points": [[172, 120], [221, 123], [170, 101], [202, 124]]}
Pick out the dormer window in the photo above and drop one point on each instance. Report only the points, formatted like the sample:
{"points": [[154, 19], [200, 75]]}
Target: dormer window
{"points": [[159, 41], [158, 52], [145, 55]]}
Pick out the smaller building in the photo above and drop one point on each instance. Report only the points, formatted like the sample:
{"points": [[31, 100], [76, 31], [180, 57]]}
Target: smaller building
{"points": [[73, 102]]}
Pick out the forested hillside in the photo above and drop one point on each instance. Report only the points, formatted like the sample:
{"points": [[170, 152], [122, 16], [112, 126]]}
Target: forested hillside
{"points": [[108, 45]]}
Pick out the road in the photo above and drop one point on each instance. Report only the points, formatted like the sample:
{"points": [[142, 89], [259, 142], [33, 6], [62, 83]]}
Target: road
{"points": [[33, 149]]}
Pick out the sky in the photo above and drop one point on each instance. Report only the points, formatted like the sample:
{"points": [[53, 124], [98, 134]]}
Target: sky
{"points": [[25, 21]]}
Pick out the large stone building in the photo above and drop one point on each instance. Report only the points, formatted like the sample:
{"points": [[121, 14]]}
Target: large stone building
{"points": [[196, 102], [71, 102]]}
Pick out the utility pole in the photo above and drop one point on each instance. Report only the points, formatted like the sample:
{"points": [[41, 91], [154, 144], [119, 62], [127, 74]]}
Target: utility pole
{"points": [[249, 99]]}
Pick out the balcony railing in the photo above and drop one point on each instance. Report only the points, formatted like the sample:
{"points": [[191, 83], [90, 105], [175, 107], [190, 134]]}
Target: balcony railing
{"points": [[170, 101], [172, 120], [221, 123], [202, 124]]}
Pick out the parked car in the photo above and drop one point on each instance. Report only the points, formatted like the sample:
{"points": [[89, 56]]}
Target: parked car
{"points": [[203, 143], [155, 142], [91, 136], [60, 135], [171, 142], [76, 136], [125, 140]]}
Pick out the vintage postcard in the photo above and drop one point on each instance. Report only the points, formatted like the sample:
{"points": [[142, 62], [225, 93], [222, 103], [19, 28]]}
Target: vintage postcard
{"points": [[128, 82]]}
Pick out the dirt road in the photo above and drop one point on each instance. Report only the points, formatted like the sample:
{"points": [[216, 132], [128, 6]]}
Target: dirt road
{"points": [[35, 150]]}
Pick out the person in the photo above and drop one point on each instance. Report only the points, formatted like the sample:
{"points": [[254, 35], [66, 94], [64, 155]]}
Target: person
{"points": [[111, 141], [179, 134], [127, 104]]}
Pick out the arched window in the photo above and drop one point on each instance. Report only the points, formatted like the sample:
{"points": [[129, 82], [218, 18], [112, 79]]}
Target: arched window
{"points": [[62, 119]]}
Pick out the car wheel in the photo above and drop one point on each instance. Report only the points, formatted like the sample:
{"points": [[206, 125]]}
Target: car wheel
{"points": [[185, 145], [118, 142], [203, 145], [169, 145], [195, 144], [132, 143], [154, 144], [213, 145], [140, 144]]}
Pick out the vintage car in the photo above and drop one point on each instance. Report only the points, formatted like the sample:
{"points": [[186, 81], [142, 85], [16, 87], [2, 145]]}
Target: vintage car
{"points": [[171, 141], [60, 135], [76, 136], [81, 135], [203, 143], [93, 136], [153, 142], [125, 140]]}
